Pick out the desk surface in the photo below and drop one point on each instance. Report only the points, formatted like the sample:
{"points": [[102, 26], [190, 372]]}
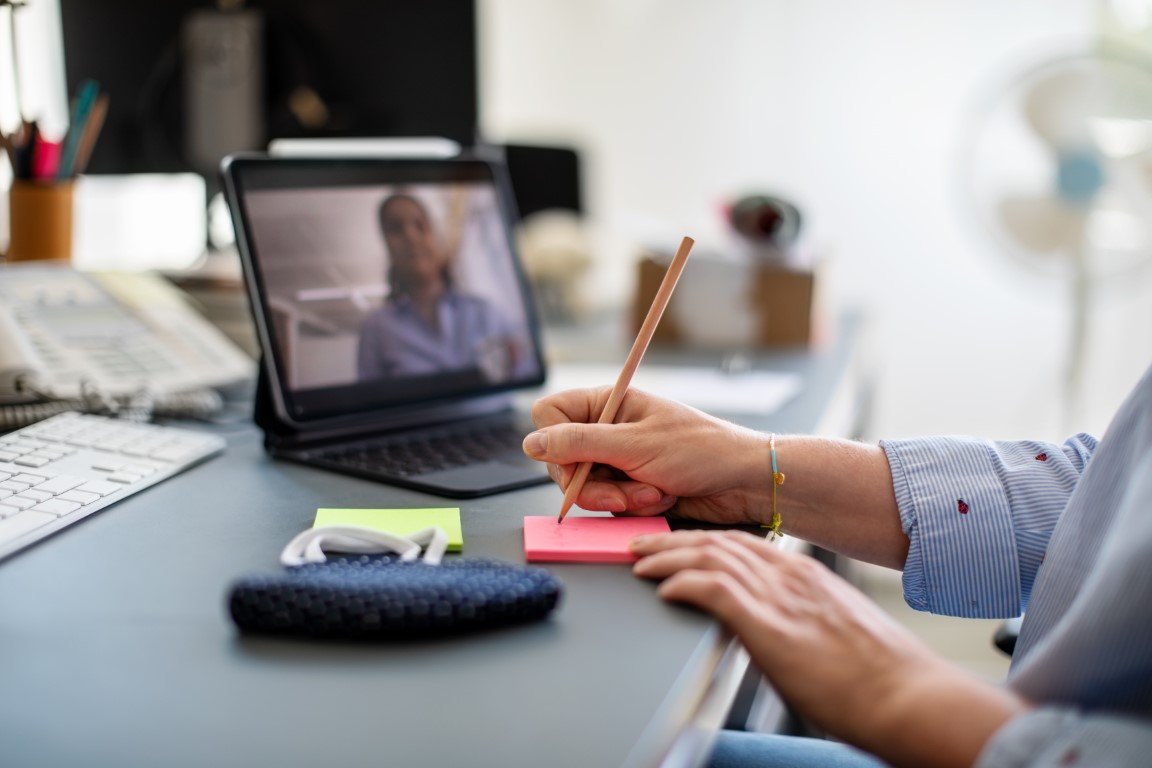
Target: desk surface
{"points": [[116, 648]]}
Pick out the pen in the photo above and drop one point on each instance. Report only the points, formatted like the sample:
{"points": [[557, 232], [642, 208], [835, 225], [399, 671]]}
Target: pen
{"points": [[81, 111], [45, 159], [92, 128], [639, 347]]}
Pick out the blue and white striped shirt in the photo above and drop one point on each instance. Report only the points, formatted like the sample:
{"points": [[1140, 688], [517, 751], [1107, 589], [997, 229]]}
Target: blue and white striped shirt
{"points": [[471, 334], [1064, 531]]}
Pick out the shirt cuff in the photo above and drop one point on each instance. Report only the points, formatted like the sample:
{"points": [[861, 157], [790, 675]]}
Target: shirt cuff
{"points": [[962, 558]]}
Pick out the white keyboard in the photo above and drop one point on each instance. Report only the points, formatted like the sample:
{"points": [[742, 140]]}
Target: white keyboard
{"points": [[63, 469]]}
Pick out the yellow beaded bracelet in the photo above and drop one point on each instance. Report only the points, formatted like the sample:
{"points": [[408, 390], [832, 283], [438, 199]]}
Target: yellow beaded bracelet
{"points": [[777, 480]]}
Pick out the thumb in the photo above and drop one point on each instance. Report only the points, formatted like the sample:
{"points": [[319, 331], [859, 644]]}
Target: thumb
{"points": [[573, 443]]}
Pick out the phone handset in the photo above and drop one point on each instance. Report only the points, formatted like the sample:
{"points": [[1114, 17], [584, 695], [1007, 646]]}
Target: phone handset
{"points": [[21, 369]]}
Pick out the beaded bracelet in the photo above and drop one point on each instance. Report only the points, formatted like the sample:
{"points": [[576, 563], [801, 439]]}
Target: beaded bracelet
{"points": [[777, 480]]}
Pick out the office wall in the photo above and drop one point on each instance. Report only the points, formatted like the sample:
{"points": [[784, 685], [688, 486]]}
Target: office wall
{"points": [[856, 110]]}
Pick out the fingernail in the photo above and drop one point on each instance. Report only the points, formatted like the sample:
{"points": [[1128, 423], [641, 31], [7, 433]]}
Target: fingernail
{"points": [[536, 444], [611, 504], [638, 541], [647, 497]]}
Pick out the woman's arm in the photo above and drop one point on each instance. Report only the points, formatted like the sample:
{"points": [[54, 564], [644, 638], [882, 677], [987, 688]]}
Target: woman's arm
{"points": [[662, 454], [829, 651]]}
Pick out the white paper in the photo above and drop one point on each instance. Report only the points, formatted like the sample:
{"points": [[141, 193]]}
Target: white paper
{"points": [[709, 389]]}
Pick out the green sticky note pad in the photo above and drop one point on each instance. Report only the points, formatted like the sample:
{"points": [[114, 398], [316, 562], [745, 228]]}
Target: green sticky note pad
{"points": [[401, 522]]}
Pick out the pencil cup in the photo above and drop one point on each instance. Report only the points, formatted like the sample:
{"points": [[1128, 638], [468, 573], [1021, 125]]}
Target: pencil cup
{"points": [[40, 220]]}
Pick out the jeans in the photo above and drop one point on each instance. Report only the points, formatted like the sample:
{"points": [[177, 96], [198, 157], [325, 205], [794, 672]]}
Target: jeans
{"points": [[737, 749]]}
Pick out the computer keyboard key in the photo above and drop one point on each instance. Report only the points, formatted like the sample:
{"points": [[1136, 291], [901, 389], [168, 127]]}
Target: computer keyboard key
{"points": [[7, 455], [177, 452], [143, 448], [36, 495], [30, 461], [15, 487], [24, 477], [125, 478], [56, 507], [111, 465], [113, 445], [25, 522], [80, 497], [7, 511], [20, 502], [60, 483], [100, 487], [5, 476]]}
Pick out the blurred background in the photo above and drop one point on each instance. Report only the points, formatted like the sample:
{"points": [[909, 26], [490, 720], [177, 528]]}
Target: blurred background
{"points": [[865, 115], [998, 252], [974, 177]]}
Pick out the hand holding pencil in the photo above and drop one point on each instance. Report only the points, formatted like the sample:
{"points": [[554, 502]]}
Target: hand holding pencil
{"points": [[656, 454], [639, 347]]}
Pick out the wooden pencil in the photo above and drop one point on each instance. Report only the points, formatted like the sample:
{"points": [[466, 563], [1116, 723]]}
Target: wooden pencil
{"points": [[639, 347]]}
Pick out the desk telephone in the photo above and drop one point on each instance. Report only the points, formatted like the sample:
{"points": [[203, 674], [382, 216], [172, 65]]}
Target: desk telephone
{"points": [[68, 336]]}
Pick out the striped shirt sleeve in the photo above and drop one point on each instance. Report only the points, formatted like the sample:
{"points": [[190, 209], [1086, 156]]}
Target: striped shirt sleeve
{"points": [[1065, 738], [978, 515]]}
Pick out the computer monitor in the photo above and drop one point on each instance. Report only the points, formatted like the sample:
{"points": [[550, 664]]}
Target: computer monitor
{"points": [[187, 80]]}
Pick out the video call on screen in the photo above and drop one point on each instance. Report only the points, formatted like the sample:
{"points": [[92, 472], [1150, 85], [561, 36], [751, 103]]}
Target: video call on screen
{"points": [[398, 283]]}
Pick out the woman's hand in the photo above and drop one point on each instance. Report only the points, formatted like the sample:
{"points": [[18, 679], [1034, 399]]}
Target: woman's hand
{"points": [[827, 650], [658, 453]]}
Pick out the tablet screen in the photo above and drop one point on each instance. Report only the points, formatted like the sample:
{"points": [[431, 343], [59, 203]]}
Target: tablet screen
{"points": [[378, 283]]}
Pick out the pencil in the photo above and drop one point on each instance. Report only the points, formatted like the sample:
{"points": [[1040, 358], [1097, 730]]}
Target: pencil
{"points": [[639, 347], [91, 132]]}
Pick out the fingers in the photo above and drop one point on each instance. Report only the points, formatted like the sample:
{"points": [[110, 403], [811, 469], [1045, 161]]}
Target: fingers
{"points": [[573, 405], [737, 554], [715, 592], [573, 443], [607, 494], [660, 542]]}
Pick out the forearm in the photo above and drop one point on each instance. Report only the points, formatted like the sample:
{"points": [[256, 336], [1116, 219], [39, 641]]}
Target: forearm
{"points": [[838, 495], [940, 717], [837, 658]]}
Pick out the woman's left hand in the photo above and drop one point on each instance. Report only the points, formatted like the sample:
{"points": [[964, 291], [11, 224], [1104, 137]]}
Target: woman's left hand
{"points": [[827, 649]]}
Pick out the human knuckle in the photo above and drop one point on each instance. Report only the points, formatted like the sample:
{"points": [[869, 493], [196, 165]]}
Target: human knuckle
{"points": [[712, 554], [719, 586], [806, 567]]}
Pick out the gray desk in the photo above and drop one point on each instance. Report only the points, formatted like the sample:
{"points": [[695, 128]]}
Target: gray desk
{"points": [[116, 648]]}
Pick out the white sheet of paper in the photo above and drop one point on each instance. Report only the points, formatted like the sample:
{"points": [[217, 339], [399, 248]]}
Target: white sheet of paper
{"points": [[709, 389]]}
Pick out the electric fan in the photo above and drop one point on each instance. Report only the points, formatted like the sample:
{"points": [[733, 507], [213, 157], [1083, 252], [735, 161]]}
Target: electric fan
{"points": [[1058, 169]]}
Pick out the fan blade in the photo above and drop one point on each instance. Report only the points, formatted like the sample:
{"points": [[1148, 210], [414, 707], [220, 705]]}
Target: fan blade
{"points": [[1040, 224], [1058, 107]]}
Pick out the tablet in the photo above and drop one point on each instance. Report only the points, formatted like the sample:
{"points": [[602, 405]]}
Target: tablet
{"points": [[382, 284]]}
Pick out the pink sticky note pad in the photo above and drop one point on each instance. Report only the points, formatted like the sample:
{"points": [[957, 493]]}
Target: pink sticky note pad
{"points": [[585, 539]]}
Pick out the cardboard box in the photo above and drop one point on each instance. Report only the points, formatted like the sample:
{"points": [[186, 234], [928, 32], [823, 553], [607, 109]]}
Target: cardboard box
{"points": [[768, 306]]}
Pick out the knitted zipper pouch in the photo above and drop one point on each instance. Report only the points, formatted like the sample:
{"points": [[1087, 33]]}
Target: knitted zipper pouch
{"points": [[372, 596]]}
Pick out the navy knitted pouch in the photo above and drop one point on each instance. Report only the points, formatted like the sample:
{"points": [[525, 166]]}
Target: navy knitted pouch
{"points": [[380, 597]]}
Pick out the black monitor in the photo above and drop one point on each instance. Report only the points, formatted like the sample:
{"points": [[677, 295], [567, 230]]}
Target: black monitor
{"points": [[188, 82]]}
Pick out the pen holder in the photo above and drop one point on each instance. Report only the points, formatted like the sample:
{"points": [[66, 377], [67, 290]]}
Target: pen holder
{"points": [[40, 220]]}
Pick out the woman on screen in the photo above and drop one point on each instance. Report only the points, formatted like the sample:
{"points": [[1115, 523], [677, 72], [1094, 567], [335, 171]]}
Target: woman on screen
{"points": [[426, 325]]}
